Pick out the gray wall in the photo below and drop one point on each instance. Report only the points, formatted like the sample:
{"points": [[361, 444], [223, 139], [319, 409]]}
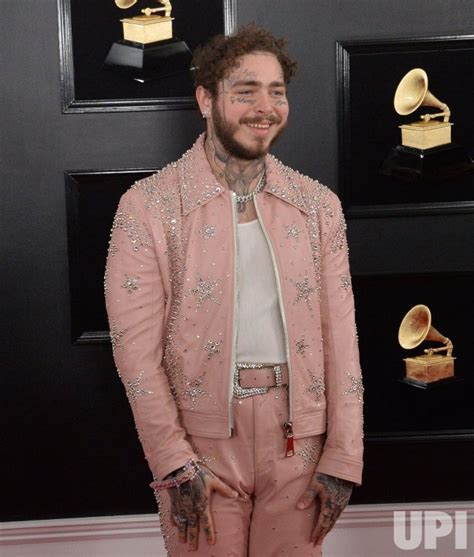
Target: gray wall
{"points": [[67, 419]]}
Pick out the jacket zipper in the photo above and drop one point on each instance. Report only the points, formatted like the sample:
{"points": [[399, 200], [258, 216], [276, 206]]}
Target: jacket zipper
{"points": [[287, 426], [236, 305]]}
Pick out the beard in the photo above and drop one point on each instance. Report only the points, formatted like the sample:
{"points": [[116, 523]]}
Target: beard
{"points": [[225, 133]]}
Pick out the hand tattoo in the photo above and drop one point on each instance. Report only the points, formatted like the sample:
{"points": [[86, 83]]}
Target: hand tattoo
{"points": [[337, 490], [333, 494], [189, 502], [190, 506]]}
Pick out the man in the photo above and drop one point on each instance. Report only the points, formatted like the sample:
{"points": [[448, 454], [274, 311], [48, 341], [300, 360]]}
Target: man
{"points": [[232, 323]]}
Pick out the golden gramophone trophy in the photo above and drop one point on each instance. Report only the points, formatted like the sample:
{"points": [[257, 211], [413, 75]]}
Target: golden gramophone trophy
{"points": [[426, 150], [148, 49], [412, 93], [431, 366]]}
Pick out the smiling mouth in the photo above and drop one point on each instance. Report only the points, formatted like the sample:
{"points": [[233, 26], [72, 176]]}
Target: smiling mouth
{"points": [[259, 126]]}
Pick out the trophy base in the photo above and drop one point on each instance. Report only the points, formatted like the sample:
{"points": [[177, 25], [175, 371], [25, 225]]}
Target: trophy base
{"points": [[429, 369], [428, 165], [426, 135], [146, 62], [146, 30]]}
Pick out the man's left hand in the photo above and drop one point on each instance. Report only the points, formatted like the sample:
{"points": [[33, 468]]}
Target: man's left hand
{"points": [[333, 494]]}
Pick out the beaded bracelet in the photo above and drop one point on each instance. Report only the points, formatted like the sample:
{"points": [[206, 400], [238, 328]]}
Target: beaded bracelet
{"points": [[187, 473]]}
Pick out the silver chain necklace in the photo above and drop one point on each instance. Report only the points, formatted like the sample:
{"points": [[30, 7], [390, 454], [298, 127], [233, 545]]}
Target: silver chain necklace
{"points": [[242, 200]]}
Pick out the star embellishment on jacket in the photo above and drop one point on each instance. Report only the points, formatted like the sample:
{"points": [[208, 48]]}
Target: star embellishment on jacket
{"points": [[292, 231], [194, 389], [316, 387], [213, 347], [310, 454], [130, 284], [204, 290], [116, 336], [134, 390], [304, 291], [301, 346], [356, 388]]}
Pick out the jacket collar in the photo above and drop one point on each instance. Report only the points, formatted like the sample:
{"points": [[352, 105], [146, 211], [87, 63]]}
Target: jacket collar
{"points": [[199, 185]]}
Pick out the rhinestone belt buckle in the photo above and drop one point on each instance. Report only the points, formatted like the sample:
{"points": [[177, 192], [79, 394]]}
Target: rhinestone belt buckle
{"points": [[242, 392]]}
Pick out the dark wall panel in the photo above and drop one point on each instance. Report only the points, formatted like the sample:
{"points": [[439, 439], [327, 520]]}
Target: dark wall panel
{"points": [[70, 448]]}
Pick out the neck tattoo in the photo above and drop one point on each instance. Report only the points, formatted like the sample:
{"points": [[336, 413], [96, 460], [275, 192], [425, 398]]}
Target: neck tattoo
{"points": [[243, 199], [237, 174]]}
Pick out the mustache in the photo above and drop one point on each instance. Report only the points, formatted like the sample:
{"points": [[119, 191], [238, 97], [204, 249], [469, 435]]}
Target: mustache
{"points": [[271, 118]]}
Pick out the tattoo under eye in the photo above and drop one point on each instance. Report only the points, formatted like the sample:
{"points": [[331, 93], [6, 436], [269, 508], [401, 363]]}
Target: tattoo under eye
{"points": [[241, 99]]}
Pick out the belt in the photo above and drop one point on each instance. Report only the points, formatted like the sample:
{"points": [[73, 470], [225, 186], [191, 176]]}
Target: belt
{"points": [[256, 379]]}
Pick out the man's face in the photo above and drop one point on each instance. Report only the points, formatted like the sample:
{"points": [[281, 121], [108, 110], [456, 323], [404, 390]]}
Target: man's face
{"points": [[251, 109]]}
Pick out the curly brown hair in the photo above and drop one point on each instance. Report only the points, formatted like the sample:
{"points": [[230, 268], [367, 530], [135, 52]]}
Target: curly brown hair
{"points": [[213, 61]]}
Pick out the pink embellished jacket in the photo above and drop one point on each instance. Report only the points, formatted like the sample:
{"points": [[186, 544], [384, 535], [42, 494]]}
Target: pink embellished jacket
{"points": [[171, 291]]}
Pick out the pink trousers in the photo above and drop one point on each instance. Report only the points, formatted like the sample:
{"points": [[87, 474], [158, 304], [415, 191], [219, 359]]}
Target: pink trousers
{"points": [[264, 520]]}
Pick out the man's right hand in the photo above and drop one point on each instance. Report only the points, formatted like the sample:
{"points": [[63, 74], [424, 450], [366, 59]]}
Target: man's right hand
{"points": [[190, 506]]}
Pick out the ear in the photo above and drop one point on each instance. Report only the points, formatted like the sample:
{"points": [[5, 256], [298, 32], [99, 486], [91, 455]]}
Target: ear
{"points": [[204, 100]]}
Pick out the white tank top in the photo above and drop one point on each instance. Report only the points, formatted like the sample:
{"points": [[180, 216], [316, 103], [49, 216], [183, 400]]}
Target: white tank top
{"points": [[260, 333]]}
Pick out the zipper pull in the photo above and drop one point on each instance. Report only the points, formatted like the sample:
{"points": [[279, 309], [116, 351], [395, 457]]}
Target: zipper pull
{"points": [[290, 447]]}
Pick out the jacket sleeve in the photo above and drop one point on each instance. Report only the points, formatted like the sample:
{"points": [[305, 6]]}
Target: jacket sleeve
{"points": [[343, 450], [135, 301]]}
